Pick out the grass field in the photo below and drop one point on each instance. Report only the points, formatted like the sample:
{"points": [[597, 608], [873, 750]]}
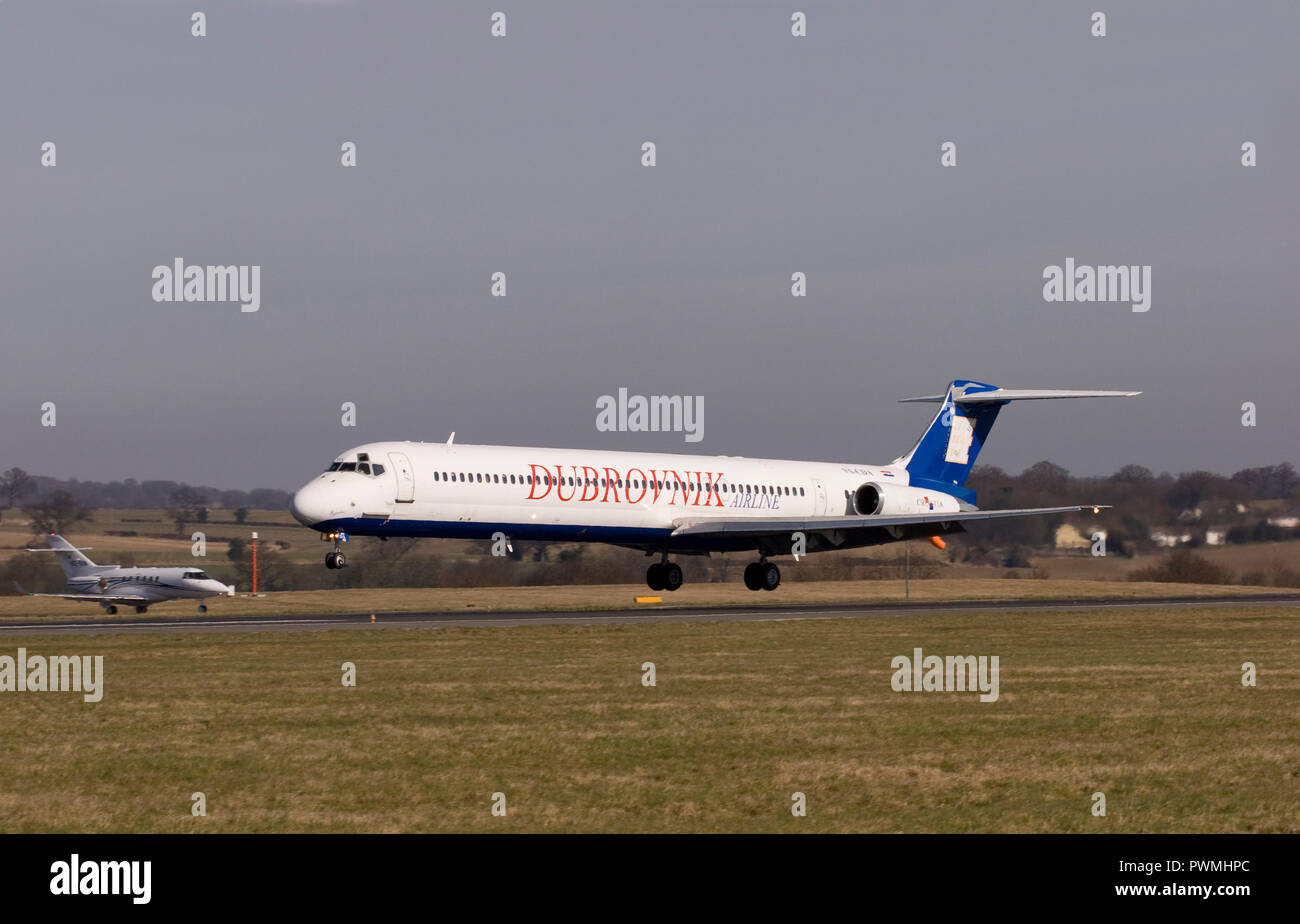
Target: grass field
{"points": [[618, 597], [1146, 707]]}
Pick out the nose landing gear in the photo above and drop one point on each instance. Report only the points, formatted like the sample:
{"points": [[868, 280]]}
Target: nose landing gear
{"points": [[762, 575], [336, 559]]}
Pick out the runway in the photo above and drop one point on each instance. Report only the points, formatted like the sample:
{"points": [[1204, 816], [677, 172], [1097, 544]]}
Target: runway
{"points": [[660, 613]]}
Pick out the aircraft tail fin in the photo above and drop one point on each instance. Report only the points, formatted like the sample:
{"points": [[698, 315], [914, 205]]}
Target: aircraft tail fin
{"points": [[69, 556], [944, 455]]}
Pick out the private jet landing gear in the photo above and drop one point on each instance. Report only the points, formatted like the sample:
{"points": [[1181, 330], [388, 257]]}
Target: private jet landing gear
{"points": [[142, 609], [762, 575], [110, 610], [202, 608], [665, 575]]}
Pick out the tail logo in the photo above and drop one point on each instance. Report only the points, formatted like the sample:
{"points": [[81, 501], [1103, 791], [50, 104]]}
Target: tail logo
{"points": [[960, 436]]}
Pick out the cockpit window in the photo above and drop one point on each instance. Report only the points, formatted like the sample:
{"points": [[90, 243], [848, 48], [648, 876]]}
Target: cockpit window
{"points": [[334, 467], [196, 576], [348, 467], [363, 468], [363, 457], [378, 469]]}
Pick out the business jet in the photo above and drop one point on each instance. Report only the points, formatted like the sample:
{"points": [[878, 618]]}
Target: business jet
{"points": [[667, 504], [112, 586]]}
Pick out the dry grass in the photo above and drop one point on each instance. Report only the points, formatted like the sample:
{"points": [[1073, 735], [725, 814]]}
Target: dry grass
{"points": [[1147, 708]]}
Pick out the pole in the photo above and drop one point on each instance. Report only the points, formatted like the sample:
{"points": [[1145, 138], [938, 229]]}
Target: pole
{"points": [[907, 569], [254, 564]]}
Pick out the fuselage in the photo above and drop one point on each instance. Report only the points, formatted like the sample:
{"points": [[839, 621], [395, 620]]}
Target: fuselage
{"points": [[624, 498]]}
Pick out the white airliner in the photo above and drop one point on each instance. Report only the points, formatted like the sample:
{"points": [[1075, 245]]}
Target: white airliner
{"points": [[669, 504], [115, 585]]}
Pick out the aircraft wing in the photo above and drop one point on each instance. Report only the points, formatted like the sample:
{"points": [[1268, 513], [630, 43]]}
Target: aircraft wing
{"points": [[784, 526], [99, 598]]}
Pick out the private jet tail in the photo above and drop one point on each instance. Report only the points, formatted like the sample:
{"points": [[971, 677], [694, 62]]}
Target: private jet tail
{"points": [[70, 559], [942, 458]]}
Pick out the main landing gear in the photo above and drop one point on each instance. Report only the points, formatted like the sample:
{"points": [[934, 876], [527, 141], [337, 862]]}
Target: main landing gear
{"points": [[336, 559], [110, 610], [762, 575], [664, 575], [202, 608]]}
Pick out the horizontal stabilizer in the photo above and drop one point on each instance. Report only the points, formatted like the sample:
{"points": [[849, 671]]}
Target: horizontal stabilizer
{"points": [[999, 395]]}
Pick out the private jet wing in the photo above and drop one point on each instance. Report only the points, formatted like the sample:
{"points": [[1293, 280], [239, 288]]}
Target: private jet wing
{"points": [[98, 598], [782, 527]]}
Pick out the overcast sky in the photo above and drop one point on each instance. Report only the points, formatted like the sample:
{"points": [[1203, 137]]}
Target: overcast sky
{"points": [[523, 155]]}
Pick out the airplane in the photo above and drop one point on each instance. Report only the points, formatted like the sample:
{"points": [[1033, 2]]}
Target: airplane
{"points": [[670, 504], [114, 585]]}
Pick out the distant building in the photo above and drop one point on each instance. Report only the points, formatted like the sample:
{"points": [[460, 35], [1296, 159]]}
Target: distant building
{"points": [[1216, 536], [1287, 520], [1169, 540]]}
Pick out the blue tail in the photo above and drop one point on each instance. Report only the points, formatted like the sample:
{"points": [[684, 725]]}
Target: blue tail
{"points": [[944, 455]]}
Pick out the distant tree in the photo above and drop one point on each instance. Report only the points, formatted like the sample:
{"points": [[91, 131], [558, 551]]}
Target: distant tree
{"points": [[57, 513], [187, 506], [241, 514], [14, 485], [236, 550], [1134, 474], [1047, 477], [1269, 482]]}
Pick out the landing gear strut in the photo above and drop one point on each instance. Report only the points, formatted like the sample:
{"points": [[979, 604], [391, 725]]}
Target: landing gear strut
{"points": [[762, 575], [665, 575], [336, 559]]}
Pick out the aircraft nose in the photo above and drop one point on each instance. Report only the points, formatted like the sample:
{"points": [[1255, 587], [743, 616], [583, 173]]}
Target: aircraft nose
{"points": [[309, 505]]}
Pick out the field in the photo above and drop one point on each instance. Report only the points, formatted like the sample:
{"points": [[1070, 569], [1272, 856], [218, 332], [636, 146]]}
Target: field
{"points": [[157, 542], [1146, 707], [618, 597]]}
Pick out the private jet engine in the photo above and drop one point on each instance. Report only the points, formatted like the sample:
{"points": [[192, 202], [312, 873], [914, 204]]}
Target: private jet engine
{"points": [[872, 499]]}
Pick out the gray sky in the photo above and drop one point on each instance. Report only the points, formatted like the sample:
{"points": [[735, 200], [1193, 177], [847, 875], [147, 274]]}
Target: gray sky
{"points": [[522, 154]]}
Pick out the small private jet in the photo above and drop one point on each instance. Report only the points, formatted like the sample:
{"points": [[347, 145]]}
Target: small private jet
{"points": [[666, 504], [112, 586]]}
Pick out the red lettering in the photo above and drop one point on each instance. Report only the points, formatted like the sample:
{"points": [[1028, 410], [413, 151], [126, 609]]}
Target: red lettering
{"points": [[713, 481], [644, 488], [560, 484], [589, 481], [611, 481], [676, 483], [655, 483], [537, 480]]}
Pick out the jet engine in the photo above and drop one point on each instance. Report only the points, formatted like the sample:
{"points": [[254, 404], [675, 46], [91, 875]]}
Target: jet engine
{"points": [[873, 499]]}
